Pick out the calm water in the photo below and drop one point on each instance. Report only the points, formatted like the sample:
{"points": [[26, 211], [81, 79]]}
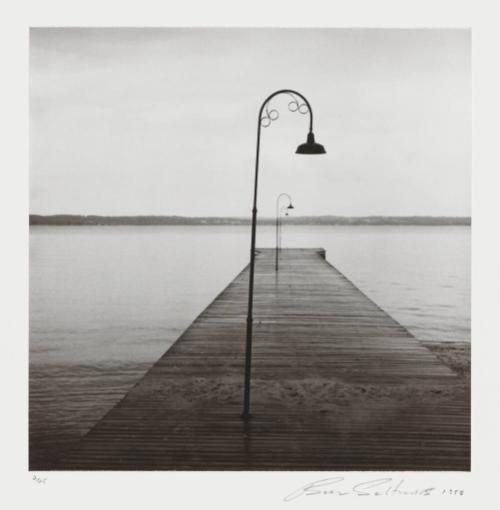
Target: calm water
{"points": [[106, 302]]}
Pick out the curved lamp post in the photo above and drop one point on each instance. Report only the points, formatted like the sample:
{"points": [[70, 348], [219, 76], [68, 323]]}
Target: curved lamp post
{"points": [[309, 147], [278, 223]]}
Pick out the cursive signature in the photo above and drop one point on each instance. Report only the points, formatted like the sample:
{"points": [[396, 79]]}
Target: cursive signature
{"points": [[337, 486]]}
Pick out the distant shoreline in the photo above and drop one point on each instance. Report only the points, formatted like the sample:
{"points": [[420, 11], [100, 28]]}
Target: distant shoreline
{"points": [[84, 220]]}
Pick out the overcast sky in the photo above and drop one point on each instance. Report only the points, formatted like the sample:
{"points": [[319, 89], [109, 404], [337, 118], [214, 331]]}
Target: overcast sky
{"points": [[163, 121]]}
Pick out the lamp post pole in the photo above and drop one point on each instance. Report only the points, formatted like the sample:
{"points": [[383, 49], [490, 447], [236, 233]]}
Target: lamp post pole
{"points": [[278, 224], [310, 147]]}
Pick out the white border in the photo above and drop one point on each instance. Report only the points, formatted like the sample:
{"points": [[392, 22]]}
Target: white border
{"points": [[239, 490]]}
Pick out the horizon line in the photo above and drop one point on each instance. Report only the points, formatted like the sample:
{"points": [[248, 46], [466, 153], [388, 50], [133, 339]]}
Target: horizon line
{"points": [[245, 217]]}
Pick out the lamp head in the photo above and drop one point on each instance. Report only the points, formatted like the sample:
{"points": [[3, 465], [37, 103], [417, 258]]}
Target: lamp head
{"points": [[290, 207], [310, 147]]}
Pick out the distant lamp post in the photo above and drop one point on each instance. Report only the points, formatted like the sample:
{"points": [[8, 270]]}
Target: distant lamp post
{"points": [[284, 209], [265, 118], [278, 223]]}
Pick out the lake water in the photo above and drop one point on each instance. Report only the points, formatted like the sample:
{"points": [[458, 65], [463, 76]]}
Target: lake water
{"points": [[106, 302]]}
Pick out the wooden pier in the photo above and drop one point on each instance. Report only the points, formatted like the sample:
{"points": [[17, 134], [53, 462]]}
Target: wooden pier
{"points": [[337, 384]]}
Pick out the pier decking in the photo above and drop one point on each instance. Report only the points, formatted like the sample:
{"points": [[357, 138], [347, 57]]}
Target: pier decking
{"points": [[337, 384]]}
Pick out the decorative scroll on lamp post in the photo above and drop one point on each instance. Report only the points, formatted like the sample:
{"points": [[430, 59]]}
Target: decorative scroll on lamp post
{"points": [[299, 104]]}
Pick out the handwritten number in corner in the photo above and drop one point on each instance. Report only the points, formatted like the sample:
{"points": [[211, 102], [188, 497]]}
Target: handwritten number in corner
{"points": [[39, 480]]}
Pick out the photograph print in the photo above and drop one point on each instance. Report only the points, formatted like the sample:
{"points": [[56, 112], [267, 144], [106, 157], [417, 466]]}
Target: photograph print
{"points": [[249, 249]]}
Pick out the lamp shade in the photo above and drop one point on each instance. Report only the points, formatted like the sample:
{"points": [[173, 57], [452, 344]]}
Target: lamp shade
{"points": [[310, 147], [290, 207]]}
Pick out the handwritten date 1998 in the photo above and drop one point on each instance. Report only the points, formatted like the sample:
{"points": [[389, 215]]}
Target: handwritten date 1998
{"points": [[452, 492]]}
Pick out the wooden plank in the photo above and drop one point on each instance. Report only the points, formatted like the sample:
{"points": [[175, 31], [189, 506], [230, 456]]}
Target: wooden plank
{"points": [[337, 384]]}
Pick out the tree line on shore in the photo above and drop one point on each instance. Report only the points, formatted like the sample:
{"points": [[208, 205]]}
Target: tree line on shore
{"points": [[77, 219]]}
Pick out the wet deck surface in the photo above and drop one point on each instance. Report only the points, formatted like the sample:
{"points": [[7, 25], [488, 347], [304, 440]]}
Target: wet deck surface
{"points": [[337, 384]]}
